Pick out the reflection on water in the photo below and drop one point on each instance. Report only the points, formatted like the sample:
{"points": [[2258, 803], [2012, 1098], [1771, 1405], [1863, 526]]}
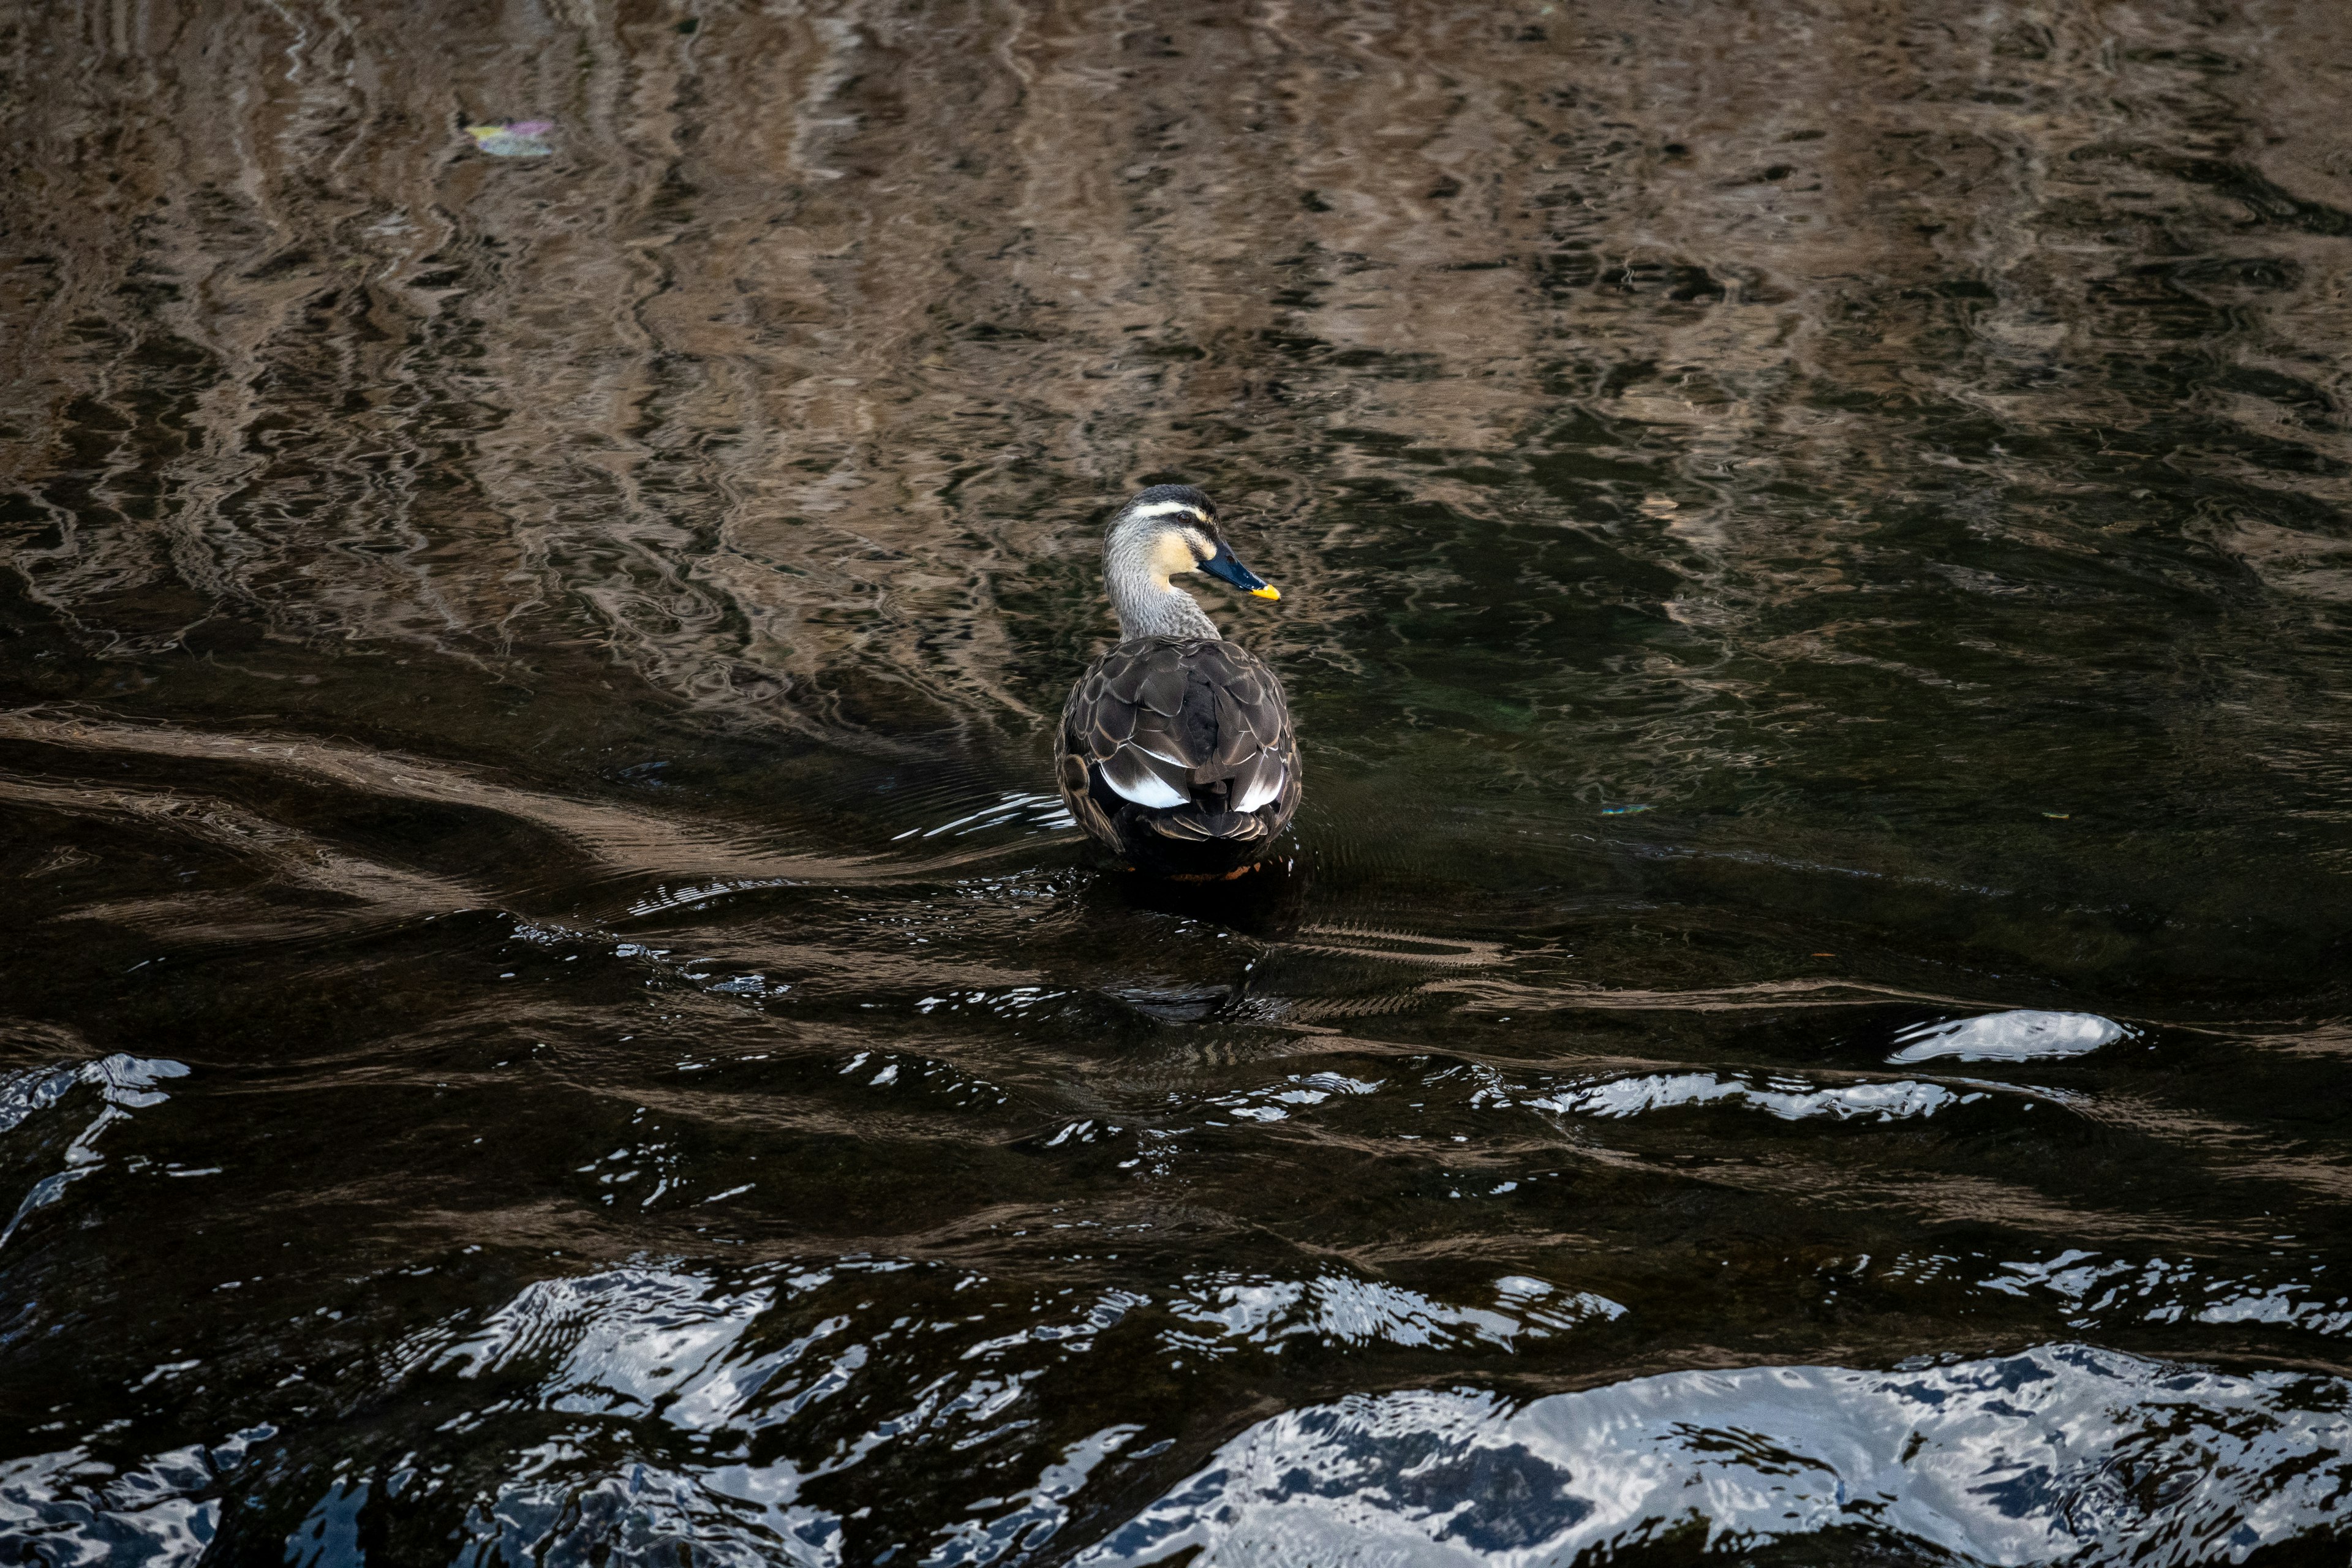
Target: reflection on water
{"points": [[2063, 1453], [2021, 1035], [552, 1015]]}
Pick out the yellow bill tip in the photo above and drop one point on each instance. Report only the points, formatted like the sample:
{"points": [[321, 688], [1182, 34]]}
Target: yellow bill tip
{"points": [[1269, 592]]}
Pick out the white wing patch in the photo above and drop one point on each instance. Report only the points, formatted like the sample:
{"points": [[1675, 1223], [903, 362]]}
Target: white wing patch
{"points": [[1266, 787], [1130, 779]]}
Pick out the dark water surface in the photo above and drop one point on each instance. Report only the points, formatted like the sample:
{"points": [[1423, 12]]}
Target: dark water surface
{"points": [[551, 1014]]}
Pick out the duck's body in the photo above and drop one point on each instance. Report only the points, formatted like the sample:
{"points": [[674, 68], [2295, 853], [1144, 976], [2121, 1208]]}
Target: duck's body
{"points": [[1176, 750]]}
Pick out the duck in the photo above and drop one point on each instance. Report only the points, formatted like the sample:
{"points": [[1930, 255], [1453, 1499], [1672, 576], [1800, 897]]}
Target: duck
{"points": [[1176, 752]]}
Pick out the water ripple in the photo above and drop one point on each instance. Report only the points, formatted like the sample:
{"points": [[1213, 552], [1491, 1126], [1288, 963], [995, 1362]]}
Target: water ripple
{"points": [[2063, 1453]]}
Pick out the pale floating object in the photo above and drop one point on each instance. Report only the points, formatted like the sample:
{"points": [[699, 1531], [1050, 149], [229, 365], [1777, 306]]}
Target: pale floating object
{"points": [[2028, 1034], [516, 139]]}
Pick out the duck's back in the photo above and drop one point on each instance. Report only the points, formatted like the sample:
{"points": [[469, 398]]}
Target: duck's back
{"points": [[1177, 755]]}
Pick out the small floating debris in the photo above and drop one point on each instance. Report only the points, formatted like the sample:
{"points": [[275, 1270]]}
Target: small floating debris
{"points": [[2059, 816], [2027, 1035], [1622, 810], [514, 139]]}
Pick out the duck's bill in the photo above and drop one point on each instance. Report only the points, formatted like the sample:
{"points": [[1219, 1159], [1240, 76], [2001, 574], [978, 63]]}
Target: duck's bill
{"points": [[1222, 564]]}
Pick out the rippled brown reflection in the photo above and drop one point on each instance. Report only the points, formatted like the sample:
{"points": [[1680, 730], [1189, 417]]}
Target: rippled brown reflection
{"points": [[552, 1013], [805, 364]]}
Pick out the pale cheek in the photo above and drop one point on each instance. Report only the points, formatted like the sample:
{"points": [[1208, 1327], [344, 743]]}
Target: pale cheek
{"points": [[1172, 557]]}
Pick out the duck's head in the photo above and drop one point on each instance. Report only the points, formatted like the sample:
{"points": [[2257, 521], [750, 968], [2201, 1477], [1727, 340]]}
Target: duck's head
{"points": [[1173, 529]]}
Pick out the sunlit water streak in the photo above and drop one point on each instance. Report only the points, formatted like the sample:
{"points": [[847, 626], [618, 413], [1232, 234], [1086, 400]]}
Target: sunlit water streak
{"points": [[2059, 1455]]}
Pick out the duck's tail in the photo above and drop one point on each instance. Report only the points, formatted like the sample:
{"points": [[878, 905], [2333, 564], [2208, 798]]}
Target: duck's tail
{"points": [[1191, 824]]}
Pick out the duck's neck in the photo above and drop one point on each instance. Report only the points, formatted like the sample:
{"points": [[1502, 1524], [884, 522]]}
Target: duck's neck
{"points": [[1148, 603]]}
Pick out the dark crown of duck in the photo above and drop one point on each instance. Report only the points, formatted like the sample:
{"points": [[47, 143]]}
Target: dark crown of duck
{"points": [[1176, 750]]}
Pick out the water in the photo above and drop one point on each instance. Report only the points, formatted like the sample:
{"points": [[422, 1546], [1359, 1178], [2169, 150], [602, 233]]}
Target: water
{"points": [[552, 1015]]}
